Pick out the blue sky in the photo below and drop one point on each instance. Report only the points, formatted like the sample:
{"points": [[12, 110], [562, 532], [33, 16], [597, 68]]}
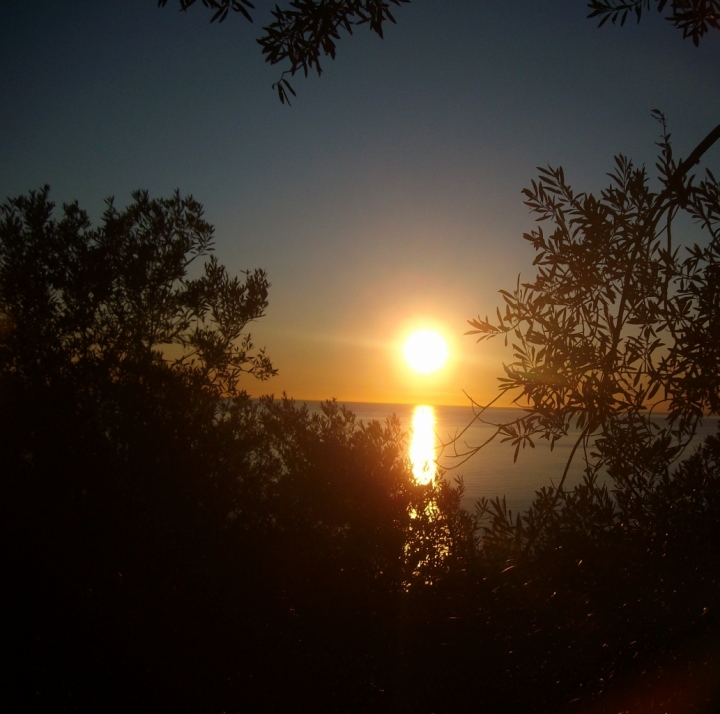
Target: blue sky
{"points": [[388, 195]]}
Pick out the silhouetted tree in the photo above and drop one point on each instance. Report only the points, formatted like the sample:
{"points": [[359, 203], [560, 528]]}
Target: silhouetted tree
{"points": [[307, 29], [112, 364], [694, 17], [78, 299], [608, 589], [304, 30], [619, 322], [167, 541]]}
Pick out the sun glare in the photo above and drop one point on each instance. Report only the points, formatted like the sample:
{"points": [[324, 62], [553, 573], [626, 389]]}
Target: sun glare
{"points": [[425, 351], [422, 446]]}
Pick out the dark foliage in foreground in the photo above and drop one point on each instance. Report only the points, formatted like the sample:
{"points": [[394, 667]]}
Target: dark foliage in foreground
{"points": [[167, 548], [621, 319]]}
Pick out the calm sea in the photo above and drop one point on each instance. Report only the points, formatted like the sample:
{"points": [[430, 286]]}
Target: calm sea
{"points": [[491, 472]]}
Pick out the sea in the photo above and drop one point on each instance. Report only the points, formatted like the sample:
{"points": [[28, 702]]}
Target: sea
{"points": [[491, 472]]}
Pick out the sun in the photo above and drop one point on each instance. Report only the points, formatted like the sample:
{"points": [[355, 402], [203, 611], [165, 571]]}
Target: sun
{"points": [[425, 351]]}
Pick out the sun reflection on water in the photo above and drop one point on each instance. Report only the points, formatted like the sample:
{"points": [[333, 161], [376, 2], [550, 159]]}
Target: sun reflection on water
{"points": [[422, 445]]}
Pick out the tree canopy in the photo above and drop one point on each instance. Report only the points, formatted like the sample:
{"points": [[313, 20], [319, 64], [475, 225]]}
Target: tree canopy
{"points": [[168, 541], [306, 30], [619, 323], [695, 18], [86, 299]]}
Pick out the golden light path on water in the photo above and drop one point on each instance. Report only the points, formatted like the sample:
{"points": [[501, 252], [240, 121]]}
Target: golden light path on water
{"points": [[422, 444]]}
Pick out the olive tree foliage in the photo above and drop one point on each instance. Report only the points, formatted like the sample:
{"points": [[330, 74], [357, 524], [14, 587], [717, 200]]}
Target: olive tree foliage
{"points": [[694, 17], [304, 30], [79, 299], [241, 550], [620, 323]]}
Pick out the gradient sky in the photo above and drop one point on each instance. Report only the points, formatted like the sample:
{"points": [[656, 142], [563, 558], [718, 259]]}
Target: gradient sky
{"points": [[388, 195]]}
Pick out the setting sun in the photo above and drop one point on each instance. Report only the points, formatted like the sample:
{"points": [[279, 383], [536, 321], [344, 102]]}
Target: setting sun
{"points": [[426, 351]]}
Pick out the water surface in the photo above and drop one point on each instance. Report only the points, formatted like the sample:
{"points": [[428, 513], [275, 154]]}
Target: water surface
{"points": [[491, 472]]}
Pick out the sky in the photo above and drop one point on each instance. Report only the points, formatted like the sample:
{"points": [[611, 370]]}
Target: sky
{"points": [[388, 196]]}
